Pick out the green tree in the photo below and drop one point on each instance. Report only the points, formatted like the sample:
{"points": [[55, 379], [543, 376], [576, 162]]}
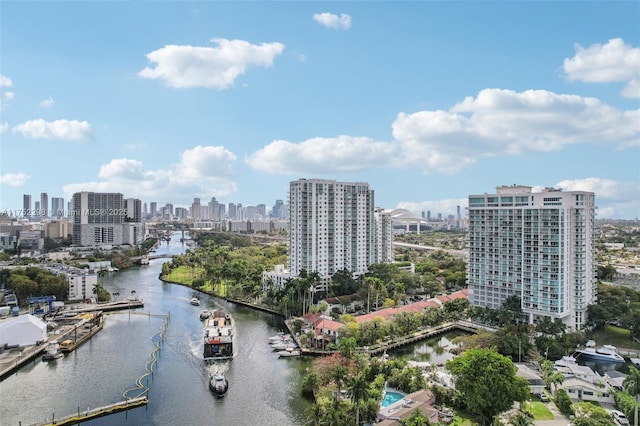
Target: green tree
{"points": [[415, 419], [488, 382], [632, 386]]}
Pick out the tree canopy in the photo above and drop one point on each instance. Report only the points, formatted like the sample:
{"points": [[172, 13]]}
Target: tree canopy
{"points": [[488, 382]]}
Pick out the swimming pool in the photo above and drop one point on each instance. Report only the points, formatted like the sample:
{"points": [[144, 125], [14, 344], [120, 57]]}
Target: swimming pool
{"points": [[390, 397]]}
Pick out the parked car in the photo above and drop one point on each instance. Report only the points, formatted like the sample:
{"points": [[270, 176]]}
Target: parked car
{"points": [[543, 397], [620, 418]]}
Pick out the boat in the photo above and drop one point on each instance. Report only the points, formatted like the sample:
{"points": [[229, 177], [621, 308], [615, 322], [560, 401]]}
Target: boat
{"points": [[218, 384], [195, 301], [289, 352], [284, 346], [205, 314], [605, 353], [281, 335], [635, 361], [219, 334], [52, 352], [566, 361]]}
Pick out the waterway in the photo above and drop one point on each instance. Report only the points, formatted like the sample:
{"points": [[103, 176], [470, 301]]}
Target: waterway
{"points": [[263, 389]]}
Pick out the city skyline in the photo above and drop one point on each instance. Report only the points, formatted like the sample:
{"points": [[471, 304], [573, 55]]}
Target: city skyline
{"points": [[427, 102]]}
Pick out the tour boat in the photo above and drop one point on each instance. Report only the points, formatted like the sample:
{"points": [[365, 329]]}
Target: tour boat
{"points": [[219, 335], [195, 301]]}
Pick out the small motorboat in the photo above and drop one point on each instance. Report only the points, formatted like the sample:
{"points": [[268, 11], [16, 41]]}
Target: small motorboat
{"points": [[289, 352], [205, 314], [218, 384], [195, 301], [52, 352]]}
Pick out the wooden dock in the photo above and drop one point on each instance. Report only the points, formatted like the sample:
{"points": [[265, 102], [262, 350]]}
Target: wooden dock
{"points": [[83, 416]]}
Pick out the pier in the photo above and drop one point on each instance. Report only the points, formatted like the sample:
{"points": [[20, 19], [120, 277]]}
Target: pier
{"points": [[83, 416]]}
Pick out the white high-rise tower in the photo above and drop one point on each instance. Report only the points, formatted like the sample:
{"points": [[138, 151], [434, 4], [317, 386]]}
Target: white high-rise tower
{"points": [[538, 246], [331, 227]]}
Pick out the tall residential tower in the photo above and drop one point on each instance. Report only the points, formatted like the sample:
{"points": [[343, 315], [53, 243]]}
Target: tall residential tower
{"points": [[538, 246], [332, 227]]}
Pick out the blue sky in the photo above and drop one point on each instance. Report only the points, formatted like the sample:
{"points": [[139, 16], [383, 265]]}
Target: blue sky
{"points": [[428, 102]]}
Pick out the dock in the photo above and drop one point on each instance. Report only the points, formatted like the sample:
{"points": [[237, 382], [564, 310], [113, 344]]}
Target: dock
{"points": [[83, 416]]}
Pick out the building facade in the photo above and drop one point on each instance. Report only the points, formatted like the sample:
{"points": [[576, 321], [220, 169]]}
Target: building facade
{"points": [[97, 218], [331, 227], [538, 246]]}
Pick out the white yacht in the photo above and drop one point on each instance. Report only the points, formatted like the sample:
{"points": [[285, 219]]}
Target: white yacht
{"points": [[604, 353]]}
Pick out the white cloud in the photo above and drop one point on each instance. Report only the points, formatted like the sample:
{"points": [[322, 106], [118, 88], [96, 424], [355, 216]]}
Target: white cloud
{"points": [[47, 103], [14, 179], [5, 81], [4, 95], [59, 129], [604, 63], [495, 123], [504, 123], [202, 171], [212, 67], [3, 127], [329, 20], [322, 156]]}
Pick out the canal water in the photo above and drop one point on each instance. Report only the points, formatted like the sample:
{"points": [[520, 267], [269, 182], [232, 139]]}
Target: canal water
{"points": [[263, 389]]}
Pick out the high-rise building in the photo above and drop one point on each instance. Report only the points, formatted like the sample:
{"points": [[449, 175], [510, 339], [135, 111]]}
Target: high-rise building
{"points": [[133, 209], [26, 205], [196, 213], [44, 204], [57, 207], [214, 209], [232, 211], [538, 246], [97, 218], [153, 208], [331, 227]]}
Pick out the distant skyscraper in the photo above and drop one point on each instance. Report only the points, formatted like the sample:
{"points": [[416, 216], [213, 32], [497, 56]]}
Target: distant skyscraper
{"points": [[331, 227], [214, 209], [232, 211], [196, 213], [44, 204], [26, 205], [57, 207], [538, 246], [153, 207]]}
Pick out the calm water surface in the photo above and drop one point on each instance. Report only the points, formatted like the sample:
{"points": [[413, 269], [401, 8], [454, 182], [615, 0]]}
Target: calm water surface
{"points": [[263, 389]]}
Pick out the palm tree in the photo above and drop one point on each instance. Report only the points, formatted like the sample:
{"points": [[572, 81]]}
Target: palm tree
{"points": [[632, 385], [359, 389], [97, 288]]}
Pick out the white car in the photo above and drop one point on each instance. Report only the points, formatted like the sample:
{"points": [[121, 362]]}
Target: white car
{"points": [[620, 418]]}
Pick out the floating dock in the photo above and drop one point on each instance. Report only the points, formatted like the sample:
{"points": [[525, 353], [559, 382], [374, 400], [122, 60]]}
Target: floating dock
{"points": [[83, 416]]}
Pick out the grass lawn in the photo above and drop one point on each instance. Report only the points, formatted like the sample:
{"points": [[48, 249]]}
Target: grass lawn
{"points": [[539, 410], [616, 336], [185, 275]]}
